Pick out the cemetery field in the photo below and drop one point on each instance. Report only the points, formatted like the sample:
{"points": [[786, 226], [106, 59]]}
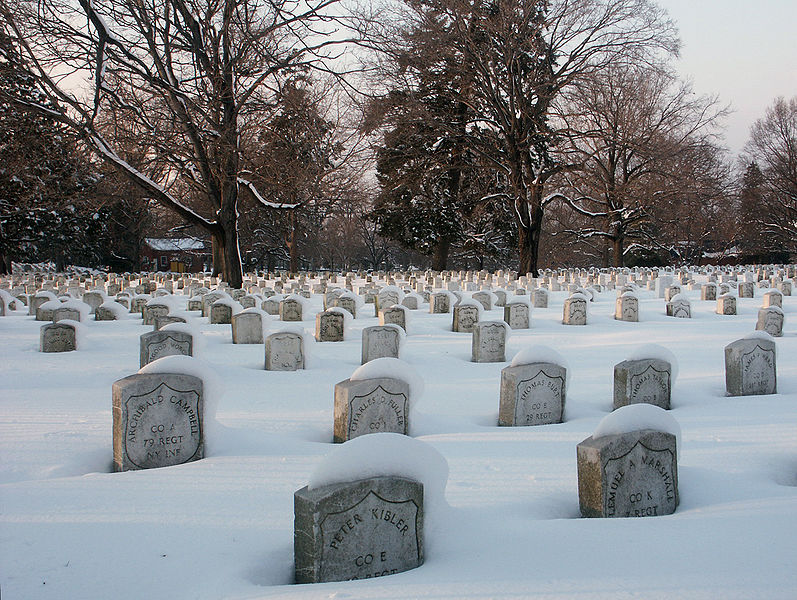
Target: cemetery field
{"points": [[509, 525]]}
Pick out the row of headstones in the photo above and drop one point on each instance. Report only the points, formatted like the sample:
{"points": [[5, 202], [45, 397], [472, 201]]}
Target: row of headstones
{"points": [[370, 527]]}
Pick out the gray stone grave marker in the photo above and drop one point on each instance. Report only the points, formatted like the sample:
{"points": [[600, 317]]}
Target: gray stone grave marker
{"points": [[290, 310], [633, 474], [57, 337], [346, 303], [393, 315], [220, 313], [329, 326], [66, 312], [626, 308], [380, 341], [157, 344], [247, 328], [465, 317], [750, 367], [489, 342], [284, 351], [439, 303], [517, 315], [575, 311], [358, 530], [540, 298], [366, 406], [773, 298], [157, 420], [150, 311], [484, 299], [726, 304], [679, 307], [532, 394], [646, 380], [770, 320], [708, 291]]}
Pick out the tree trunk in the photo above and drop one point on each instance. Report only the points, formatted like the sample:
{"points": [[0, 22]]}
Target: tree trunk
{"points": [[618, 256], [440, 256], [217, 248], [293, 247], [529, 234], [231, 253]]}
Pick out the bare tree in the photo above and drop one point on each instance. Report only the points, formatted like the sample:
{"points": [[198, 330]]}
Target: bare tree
{"points": [[773, 147], [183, 75], [640, 136]]}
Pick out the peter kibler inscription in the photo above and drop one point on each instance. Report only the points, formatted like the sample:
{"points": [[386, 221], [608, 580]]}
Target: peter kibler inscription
{"points": [[358, 530], [633, 474], [157, 421]]}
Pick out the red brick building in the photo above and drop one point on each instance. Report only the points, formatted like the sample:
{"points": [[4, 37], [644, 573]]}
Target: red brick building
{"points": [[179, 255]]}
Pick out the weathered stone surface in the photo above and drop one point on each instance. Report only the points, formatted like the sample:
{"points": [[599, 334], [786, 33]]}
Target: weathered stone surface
{"points": [[103, 313], [575, 311], [371, 406], [290, 310], [484, 299], [746, 289], [410, 302], [517, 315], [393, 315], [157, 420], [329, 326], [220, 313], [750, 367], [680, 308], [646, 380], [628, 475], [726, 304], [489, 342], [346, 303], [358, 530], [150, 311], [532, 394], [57, 337], [773, 298], [66, 312], [708, 291], [540, 298], [284, 351], [770, 320], [626, 308], [247, 328], [161, 322], [93, 299], [671, 292], [465, 317], [380, 342], [439, 303], [157, 344]]}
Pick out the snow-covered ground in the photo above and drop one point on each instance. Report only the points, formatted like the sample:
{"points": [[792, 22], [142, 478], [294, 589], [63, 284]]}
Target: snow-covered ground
{"points": [[222, 527]]}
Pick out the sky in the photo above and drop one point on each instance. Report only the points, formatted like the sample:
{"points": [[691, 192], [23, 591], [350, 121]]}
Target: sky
{"points": [[744, 52]]}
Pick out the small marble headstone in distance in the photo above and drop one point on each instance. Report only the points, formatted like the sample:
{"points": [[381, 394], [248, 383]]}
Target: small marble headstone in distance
{"points": [[358, 530], [157, 420], [380, 341], [645, 380], [489, 342], [770, 319]]}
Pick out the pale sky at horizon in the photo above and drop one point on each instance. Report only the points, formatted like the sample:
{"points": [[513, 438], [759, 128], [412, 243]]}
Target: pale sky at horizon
{"points": [[744, 52]]}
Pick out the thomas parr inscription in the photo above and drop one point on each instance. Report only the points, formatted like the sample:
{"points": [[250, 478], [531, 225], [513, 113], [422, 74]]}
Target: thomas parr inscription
{"points": [[157, 420], [358, 530]]}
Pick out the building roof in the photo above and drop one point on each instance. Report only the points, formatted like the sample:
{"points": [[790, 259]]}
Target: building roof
{"points": [[173, 245]]}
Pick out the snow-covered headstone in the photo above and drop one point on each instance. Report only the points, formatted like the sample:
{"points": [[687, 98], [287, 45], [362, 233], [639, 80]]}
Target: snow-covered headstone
{"points": [[770, 319], [773, 298], [574, 311], [533, 389], [284, 351], [291, 309], [726, 304], [671, 292], [329, 326], [221, 312], [247, 328], [93, 299], [465, 316], [157, 344], [153, 309], [750, 366], [381, 341], [394, 315], [746, 289], [439, 303], [58, 337], [157, 420], [644, 380], [540, 298], [161, 322], [517, 314], [679, 307], [626, 307], [485, 299], [346, 302], [629, 466], [489, 342], [708, 291]]}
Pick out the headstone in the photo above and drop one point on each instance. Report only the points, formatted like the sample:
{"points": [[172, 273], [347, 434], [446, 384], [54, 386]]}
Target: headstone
{"points": [[157, 420], [485, 299], [465, 317], [93, 299], [773, 298], [66, 312], [161, 322], [517, 315], [393, 315], [489, 342], [57, 337], [439, 303], [358, 530], [746, 290], [633, 474], [671, 292], [785, 288], [271, 306], [346, 303], [540, 298], [248, 302], [626, 308], [157, 344], [290, 310], [410, 302], [726, 304], [679, 307], [366, 406], [329, 326], [532, 394], [380, 342], [103, 313], [770, 320], [645, 380], [150, 311], [284, 351], [247, 328], [750, 367], [575, 311], [220, 313]]}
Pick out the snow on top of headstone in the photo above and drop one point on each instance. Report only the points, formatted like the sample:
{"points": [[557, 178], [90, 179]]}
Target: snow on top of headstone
{"points": [[579, 296], [539, 353], [635, 417], [680, 298], [467, 301], [392, 288], [773, 291], [395, 369], [45, 294], [358, 300], [629, 294], [658, 352], [188, 365], [191, 329], [265, 318], [9, 300], [228, 301], [119, 310], [760, 335], [300, 299], [418, 297], [308, 339], [78, 305], [80, 332], [386, 454], [519, 300]]}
